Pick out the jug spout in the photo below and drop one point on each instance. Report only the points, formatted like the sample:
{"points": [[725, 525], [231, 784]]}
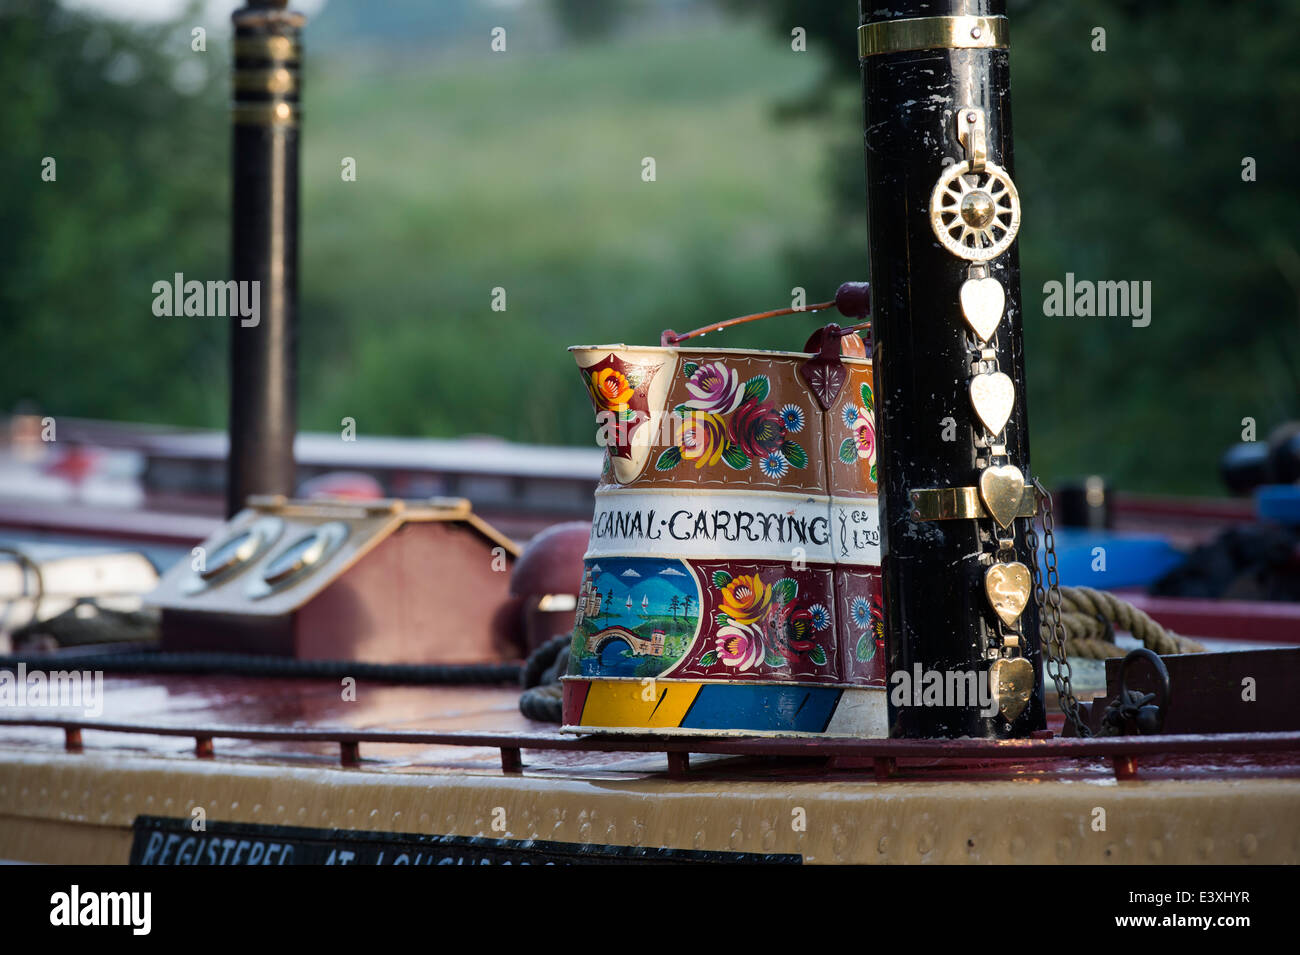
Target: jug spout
{"points": [[627, 388]]}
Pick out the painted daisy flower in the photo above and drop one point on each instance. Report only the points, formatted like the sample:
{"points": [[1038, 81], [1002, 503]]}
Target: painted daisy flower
{"points": [[792, 418], [861, 611], [774, 465], [821, 617], [850, 414]]}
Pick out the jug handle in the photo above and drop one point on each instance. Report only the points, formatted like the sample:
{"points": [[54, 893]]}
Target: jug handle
{"points": [[853, 299]]}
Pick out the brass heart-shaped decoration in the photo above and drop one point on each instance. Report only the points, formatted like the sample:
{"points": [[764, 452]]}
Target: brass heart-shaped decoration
{"points": [[993, 396], [1011, 680], [1002, 489], [982, 302], [1008, 586]]}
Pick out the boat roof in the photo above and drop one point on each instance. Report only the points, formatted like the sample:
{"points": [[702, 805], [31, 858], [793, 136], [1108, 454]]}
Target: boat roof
{"points": [[447, 760]]}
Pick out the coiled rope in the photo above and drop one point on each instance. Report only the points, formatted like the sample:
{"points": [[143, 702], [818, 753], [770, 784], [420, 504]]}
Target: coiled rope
{"points": [[541, 699], [1090, 618]]}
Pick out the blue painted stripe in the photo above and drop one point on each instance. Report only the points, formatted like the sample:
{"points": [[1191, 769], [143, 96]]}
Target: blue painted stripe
{"points": [[752, 706]]}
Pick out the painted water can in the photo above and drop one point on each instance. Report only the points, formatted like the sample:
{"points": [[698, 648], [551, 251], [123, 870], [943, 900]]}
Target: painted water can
{"points": [[732, 580]]}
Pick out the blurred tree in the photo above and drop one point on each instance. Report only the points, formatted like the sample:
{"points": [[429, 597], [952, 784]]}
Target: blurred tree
{"points": [[587, 20], [1130, 163], [132, 200], [513, 171]]}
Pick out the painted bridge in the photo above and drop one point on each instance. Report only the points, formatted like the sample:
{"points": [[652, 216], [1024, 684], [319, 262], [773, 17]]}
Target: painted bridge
{"points": [[640, 646]]}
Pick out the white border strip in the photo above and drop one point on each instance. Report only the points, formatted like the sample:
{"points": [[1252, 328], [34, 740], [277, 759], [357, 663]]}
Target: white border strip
{"points": [[735, 525]]}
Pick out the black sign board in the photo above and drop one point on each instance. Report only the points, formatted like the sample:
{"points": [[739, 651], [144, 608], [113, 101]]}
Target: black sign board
{"points": [[165, 841]]}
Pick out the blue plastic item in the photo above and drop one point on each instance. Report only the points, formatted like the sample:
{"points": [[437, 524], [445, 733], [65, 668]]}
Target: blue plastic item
{"points": [[1278, 502], [1107, 560]]}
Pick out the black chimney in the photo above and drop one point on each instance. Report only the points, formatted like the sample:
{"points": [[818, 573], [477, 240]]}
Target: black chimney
{"points": [[949, 367], [264, 249]]}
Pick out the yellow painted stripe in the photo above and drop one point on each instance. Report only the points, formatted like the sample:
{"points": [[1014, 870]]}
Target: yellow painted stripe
{"points": [[621, 703]]}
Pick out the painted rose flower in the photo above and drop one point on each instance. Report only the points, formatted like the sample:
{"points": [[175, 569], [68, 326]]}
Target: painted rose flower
{"points": [[703, 438], [791, 630], [610, 389], [714, 388], [745, 598], [739, 647], [757, 429], [864, 435]]}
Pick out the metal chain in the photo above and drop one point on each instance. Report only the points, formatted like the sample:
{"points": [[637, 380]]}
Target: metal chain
{"points": [[1048, 600]]}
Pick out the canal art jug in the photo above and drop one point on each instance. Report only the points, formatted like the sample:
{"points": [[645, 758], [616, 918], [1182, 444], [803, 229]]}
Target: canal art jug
{"points": [[732, 581]]}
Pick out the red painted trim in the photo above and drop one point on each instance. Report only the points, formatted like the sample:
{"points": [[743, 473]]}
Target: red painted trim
{"points": [[1227, 509], [574, 700], [1263, 621], [966, 748], [153, 527]]}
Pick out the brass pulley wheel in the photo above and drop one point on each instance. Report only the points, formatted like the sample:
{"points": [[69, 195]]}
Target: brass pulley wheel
{"points": [[975, 215]]}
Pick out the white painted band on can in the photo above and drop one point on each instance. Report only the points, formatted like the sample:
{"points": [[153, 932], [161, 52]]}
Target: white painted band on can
{"points": [[735, 525]]}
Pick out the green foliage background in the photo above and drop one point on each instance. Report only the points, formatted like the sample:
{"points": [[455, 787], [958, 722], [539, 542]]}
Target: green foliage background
{"points": [[523, 170]]}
